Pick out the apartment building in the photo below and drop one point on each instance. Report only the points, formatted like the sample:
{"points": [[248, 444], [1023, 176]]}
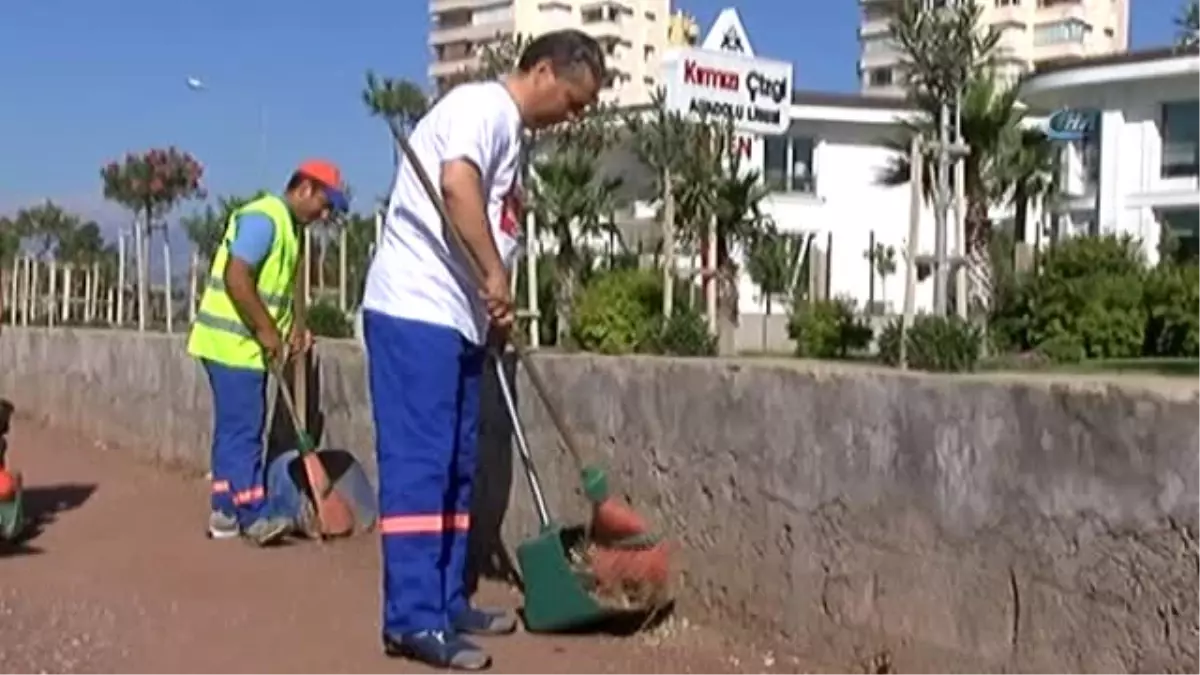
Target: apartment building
{"points": [[633, 32], [1032, 32]]}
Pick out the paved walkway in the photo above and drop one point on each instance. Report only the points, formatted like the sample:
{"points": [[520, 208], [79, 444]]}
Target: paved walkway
{"points": [[120, 578]]}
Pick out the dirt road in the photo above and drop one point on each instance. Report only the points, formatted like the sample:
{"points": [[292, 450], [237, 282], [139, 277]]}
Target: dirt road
{"points": [[120, 578]]}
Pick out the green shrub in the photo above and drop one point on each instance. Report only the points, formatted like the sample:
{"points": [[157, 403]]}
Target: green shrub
{"points": [[1089, 291], [615, 313], [685, 334], [936, 344], [828, 329], [1063, 348], [328, 321], [1172, 298]]}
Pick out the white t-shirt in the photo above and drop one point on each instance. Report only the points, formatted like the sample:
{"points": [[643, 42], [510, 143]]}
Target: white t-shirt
{"points": [[418, 271]]}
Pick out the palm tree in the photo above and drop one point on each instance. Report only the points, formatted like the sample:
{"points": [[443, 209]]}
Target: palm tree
{"points": [[991, 119], [573, 199], [47, 223], [1187, 25], [771, 260], [663, 141], [396, 100], [81, 245], [715, 185], [1031, 171], [941, 49], [10, 240]]}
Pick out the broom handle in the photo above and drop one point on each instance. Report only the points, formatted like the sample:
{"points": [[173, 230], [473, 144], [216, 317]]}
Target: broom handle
{"points": [[299, 324], [514, 338]]}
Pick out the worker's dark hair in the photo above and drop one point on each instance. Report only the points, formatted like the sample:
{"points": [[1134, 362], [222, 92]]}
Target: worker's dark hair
{"points": [[567, 49], [299, 179]]}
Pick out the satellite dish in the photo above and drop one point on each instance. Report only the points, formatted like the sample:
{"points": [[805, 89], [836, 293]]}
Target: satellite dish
{"points": [[195, 83]]}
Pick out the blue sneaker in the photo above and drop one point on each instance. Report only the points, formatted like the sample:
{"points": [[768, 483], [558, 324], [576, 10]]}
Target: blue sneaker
{"points": [[485, 622], [438, 649]]}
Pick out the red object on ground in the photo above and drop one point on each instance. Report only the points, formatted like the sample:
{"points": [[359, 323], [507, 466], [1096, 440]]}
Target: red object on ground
{"points": [[9, 484]]}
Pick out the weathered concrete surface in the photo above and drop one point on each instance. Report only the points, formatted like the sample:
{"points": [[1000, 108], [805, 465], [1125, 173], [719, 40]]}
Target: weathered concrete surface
{"points": [[955, 523]]}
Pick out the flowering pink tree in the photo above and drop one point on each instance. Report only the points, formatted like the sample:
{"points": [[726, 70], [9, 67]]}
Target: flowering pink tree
{"points": [[151, 185]]}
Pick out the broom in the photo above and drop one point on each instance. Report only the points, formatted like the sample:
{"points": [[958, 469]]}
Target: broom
{"points": [[614, 525], [333, 515]]}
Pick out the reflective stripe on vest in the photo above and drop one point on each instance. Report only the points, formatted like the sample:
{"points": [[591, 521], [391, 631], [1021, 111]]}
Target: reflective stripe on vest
{"points": [[219, 334]]}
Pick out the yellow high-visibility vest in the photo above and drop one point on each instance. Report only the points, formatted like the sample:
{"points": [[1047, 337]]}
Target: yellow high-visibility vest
{"points": [[219, 334]]}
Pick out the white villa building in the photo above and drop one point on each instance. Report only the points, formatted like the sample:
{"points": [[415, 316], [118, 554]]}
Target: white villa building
{"points": [[822, 160], [823, 175], [1136, 170]]}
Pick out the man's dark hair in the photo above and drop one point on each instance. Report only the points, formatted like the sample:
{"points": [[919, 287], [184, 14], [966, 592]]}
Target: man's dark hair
{"points": [[299, 179], [565, 49]]}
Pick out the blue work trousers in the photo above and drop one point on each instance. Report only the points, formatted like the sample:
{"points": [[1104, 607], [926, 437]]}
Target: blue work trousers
{"points": [[424, 382], [239, 411]]}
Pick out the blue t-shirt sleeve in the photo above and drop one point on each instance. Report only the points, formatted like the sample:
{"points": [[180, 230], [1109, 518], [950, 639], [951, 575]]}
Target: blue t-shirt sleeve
{"points": [[254, 233]]}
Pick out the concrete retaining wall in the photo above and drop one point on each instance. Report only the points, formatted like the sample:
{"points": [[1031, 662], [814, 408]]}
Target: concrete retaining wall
{"points": [[959, 523]]}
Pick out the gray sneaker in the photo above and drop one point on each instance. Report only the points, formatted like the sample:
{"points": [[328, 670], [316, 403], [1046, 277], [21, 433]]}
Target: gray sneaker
{"points": [[266, 531], [222, 526]]}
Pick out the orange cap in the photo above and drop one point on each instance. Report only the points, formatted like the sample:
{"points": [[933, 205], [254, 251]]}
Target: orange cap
{"points": [[330, 177]]}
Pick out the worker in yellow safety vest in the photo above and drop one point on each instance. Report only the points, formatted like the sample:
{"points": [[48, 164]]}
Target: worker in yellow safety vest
{"points": [[244, 317]]}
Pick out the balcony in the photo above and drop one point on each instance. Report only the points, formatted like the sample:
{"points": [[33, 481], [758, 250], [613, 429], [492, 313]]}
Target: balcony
{"points": [[482, 32], [1062, 50], [447, 67], [439, 6], [1062, 10], [874, 28]]}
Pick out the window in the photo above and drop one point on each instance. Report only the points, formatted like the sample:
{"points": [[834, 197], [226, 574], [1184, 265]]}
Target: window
{"points": [[602, 13], [880, 77], [788, 164], [647, 52], [1060, 32], [1180, 139], [1008, 3], [455, 18]]}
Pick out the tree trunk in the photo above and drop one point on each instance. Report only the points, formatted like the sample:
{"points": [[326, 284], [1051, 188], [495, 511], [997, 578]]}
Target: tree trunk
{"points": [[1020, 230], [668, 245], [979, 265], [564, 298], [766, 322], [883, 294]]}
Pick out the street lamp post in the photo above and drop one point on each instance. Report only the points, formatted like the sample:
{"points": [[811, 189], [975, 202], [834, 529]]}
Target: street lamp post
{"points": [[198, 85]]}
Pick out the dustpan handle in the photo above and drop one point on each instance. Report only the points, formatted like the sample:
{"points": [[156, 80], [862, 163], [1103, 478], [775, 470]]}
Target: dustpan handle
{"points": [[510, 404]]}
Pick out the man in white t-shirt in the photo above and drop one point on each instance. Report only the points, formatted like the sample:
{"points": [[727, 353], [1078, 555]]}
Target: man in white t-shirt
{"points": [[426, 322]]}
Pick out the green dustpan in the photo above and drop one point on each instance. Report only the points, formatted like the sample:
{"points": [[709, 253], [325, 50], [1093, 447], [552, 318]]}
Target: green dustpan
{"points": [[12, 516], [556, 597]]}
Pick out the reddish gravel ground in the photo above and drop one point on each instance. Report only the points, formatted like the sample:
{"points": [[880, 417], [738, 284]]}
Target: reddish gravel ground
{"points": [[121, 579]]}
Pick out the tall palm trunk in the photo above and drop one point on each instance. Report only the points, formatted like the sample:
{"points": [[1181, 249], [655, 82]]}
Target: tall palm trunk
{"points": [[668, 244], [978, 264], [565, 278], [727, 298]]}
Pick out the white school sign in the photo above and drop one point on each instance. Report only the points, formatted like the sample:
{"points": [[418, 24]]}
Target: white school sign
{"points": [[724, 79]]}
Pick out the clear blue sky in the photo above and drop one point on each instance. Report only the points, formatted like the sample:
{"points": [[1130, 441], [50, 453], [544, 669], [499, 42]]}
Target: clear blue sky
{"points": [[86, 81]]}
